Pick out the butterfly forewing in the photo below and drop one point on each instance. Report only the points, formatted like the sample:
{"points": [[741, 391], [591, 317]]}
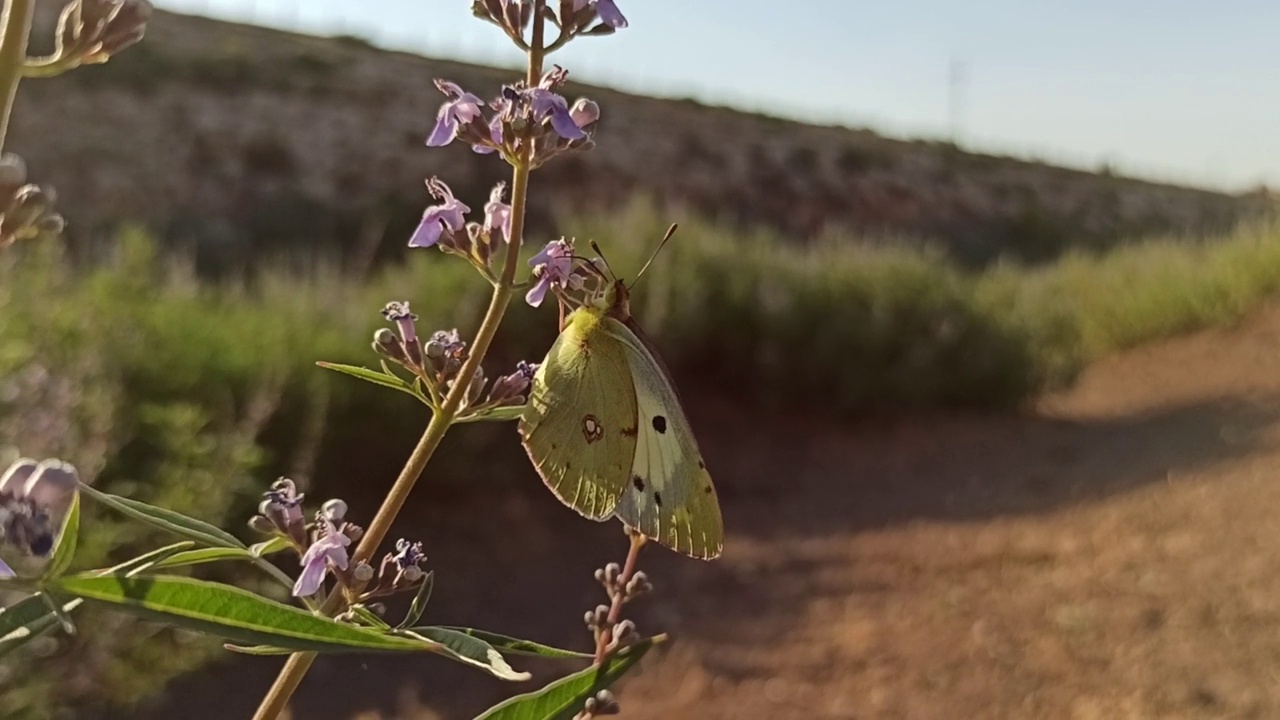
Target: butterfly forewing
{"points": [[579, 425], [669, 495]]}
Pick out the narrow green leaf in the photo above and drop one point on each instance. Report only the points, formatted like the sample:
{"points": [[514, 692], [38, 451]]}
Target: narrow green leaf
{"points": [[28, 618], [197, 530], [64, 550], [147, 560], [267, 547], [420, 600], [469, 651], [373, 376], [204, 555], [499, 414], [515, 646], [564, 698], [230, 612], [33, 615]]}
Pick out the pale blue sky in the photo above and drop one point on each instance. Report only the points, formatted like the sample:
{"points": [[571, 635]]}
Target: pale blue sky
{"points": [[1181, 90]]}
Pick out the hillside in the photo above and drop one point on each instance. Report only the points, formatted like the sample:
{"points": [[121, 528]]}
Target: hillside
{"points": [[232, 138]]}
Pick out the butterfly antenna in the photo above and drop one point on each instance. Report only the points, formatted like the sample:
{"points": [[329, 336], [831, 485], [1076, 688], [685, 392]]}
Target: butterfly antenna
{"points": [[596, 247], [670, 231]]}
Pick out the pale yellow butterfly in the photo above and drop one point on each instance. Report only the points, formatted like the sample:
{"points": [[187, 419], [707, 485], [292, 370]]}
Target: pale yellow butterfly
{"points": [[606, 431]]}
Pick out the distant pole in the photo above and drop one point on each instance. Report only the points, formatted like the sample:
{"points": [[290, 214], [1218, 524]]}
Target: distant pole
{"points": [[957, 78]]}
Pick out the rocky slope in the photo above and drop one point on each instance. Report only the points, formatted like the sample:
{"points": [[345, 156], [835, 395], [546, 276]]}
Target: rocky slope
{"points": [[231, 137]]}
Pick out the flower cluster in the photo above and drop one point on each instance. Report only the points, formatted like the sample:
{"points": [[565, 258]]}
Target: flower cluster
{"points": [[323, 546], [26, 210], [94, 30], [535, 119], [574, 18], [34, 499], [437, 363]]}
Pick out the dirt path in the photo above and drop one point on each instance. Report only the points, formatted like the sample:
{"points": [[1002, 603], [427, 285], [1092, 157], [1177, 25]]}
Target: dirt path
{"points": [[1112, 555]]}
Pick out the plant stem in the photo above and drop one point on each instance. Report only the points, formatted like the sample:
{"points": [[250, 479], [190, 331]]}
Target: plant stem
{"points": [[298, 663], [16, 21], [615, 607]]}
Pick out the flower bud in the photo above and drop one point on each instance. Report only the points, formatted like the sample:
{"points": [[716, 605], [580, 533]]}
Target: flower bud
{"points": [[584, 112], [363, 572], [410, 575], [334, 510], [13, 172]]}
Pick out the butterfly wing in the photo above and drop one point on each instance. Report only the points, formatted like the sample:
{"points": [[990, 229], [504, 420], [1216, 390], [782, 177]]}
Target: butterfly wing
{"points": [[579, 425], [669, 495]]}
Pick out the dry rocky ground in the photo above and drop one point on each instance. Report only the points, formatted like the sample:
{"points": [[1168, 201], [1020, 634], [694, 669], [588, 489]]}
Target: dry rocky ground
{"points": [[1109, 554]]}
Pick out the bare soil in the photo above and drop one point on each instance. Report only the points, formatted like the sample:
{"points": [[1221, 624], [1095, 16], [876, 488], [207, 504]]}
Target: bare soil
{"points": [[1111, 553]]}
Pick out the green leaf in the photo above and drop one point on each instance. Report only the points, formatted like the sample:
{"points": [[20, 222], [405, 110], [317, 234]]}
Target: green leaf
{"points": [[498, 414], [28, 618], [146, 560], [515, 646], [204, 555], [34, 615], [65, 548], [564, 698], [385, 379], [469, 651], [420, 600], [267, 547], [232, 613], [197, 530]]}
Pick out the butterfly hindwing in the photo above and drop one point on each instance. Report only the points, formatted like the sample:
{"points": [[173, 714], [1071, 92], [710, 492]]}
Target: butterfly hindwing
{"points": [[669, 495], [578, 427]]}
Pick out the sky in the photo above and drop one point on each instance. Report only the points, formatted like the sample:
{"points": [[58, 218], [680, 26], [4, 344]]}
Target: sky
{"points": [[1185, 91]]}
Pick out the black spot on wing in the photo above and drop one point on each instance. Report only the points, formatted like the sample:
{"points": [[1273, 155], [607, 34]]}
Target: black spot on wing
{"points": [[707, 490], [638, 482], [629, 432], [701, 465], [660, 423], [657, 497]]}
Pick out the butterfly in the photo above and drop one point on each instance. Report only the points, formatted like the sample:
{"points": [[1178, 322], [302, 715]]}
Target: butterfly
{"points": [[607, 433]]}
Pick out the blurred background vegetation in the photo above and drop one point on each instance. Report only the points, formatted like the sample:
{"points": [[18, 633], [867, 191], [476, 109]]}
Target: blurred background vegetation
{"points": [[191, 393]]}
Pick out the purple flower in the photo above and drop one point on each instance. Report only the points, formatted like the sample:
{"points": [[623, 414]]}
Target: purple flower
{"points": [[606, 10], [398, 313], [552, 266], [408, 554], [34, 499], [495, 137], [328, 549], [460, 109], [546, 103], [446, 344], [408, 558], [447, 215], [282, 505], [497, 214]]}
